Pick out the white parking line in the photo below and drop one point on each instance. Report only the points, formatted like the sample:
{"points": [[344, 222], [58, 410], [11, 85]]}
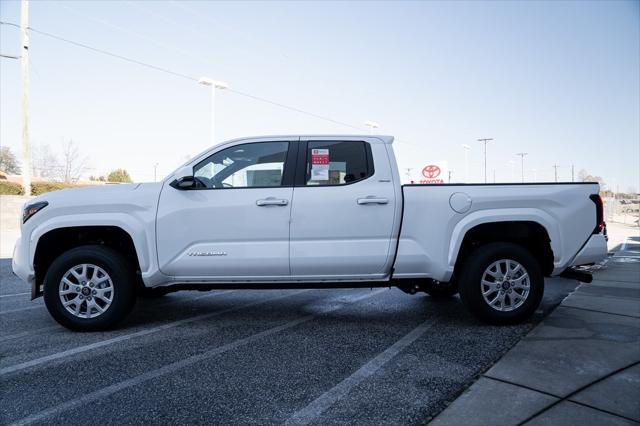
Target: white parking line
{"points": [[52, 327], [28, 308], [29, 332], [144, 332], [42, 305], [14, 294], [312, 411], [178, 365]]}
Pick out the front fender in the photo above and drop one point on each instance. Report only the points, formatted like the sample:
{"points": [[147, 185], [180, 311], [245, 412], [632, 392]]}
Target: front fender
{"points": [[141, 233]]}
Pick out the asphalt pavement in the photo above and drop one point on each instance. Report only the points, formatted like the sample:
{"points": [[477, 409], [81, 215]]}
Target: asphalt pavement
{"points": [[250, 357]]}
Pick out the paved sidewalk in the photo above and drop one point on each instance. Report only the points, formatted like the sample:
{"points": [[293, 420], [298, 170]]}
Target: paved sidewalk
{"points": [[581, 366]]}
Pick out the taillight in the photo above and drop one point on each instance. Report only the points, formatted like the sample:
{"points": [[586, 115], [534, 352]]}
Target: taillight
{"points": [[599, 213]]}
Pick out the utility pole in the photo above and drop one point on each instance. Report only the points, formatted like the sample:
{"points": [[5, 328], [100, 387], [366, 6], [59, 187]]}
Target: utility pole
{"points": [[522, 155], [466, 162], [24, 60], [572, 170], [155, 172], [450, 173], [555, 168], [485, 141]]}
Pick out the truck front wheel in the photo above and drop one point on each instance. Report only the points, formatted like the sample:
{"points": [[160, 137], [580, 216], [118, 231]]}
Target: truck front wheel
{"points": [[89, 288], [501, 283]]}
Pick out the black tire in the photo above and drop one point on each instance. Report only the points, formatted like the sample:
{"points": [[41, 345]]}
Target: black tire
{"points": [[153, 293], [441, 290], [472, 272], [122, 278]]}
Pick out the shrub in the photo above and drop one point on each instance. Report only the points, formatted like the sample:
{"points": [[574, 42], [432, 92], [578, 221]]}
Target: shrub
{"points": [[10, 188], [120, 176], [39, 188]]}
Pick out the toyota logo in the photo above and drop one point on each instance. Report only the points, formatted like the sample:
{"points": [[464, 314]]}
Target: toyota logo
{"points": [[431, 171]]}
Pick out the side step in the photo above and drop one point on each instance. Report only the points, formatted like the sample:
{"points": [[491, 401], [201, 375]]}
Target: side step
{"points": [[576, 274]]}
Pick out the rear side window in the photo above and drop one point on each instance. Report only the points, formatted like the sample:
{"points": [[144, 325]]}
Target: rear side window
{"points": [[337, 163]]}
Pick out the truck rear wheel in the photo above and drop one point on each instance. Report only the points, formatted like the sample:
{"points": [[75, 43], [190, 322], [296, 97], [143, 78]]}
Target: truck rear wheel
{"points": [[501, 283], [89, 288]]}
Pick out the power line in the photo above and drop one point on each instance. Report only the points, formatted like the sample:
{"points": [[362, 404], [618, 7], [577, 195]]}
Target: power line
{"points": [[188, 77], [104, 52], [311, 114]]}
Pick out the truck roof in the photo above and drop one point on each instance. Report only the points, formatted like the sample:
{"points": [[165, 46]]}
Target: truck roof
{"points": [[346, 137]]}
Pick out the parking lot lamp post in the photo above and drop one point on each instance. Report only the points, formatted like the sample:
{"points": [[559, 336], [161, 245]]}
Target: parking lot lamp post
{"points": [[522, 155], [214, 85], [485, 141], [371, 125], [466, 161]]}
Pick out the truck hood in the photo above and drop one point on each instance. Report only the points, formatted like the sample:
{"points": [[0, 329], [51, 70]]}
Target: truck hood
{"points": [[133, 199]]}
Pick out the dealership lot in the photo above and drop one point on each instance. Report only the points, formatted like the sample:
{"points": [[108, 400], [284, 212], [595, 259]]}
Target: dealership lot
{"points": [[313, 356]]}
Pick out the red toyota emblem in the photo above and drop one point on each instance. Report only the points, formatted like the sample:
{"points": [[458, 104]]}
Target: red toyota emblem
{"points": [[431, 172]]}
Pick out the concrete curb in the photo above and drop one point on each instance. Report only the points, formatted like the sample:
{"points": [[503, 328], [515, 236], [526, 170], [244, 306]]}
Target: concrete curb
{"points": [[580, 366]]}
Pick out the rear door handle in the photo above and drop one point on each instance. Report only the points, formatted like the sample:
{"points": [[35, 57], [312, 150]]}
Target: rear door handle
{"points": [[272, 201], [373, 200]]}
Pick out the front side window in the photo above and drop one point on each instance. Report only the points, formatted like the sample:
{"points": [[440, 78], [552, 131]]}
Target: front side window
{"points": [[248, 165], [336, 163]]}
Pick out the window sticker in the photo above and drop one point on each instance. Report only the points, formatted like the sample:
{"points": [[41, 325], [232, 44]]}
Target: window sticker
{"points": [[319, 164]]}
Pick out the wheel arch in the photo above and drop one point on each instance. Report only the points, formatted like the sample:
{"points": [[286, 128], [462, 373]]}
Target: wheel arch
{"points": [[528, 232], [52, 243]]}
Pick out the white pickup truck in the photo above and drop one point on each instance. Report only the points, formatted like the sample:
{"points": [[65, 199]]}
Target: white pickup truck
{"points": [[304, 212]]}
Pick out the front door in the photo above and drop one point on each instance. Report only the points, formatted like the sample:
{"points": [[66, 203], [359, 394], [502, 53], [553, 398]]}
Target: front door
{"points": [[234, 224], [343, 211]]}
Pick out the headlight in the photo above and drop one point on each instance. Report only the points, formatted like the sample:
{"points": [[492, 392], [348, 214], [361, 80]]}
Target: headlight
{"points": [[32, 209]]}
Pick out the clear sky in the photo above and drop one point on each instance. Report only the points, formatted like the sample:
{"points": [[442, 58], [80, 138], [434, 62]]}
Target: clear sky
{"points": [[559, 80]]}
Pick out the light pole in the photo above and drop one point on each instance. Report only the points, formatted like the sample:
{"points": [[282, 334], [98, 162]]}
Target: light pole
{"points": [[155, 172], [371, 125], [466, 162], [555, 169], [485, 141], [522, 155], [214, 85], [408, 174]]}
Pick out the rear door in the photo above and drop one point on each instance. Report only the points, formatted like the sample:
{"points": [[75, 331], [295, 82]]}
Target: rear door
{"points": [[343, 210]]}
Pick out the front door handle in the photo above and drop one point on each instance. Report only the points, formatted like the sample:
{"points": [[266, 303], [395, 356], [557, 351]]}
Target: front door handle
{"points": [[373, 200], [272, 201]]}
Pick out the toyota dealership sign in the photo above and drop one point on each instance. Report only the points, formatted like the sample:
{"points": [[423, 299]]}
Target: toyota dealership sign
{"points": [[434, 173]]}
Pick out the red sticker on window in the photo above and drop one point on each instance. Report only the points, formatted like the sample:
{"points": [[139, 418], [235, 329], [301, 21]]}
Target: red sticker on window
{"points": [[319, 156]]}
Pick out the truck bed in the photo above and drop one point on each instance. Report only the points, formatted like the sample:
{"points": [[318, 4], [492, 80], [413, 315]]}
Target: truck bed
{"points": [[437, 214]]}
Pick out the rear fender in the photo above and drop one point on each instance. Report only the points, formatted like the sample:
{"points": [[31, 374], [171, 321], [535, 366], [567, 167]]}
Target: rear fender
{"points": [[507, 215]]}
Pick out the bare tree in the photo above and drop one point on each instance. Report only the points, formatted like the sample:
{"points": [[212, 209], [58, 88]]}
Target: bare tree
{"points": [[73, 163], [584, 176], [45, 162]]}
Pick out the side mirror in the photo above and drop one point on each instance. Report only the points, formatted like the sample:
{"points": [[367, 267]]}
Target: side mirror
{"points": [[184, 179]]}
